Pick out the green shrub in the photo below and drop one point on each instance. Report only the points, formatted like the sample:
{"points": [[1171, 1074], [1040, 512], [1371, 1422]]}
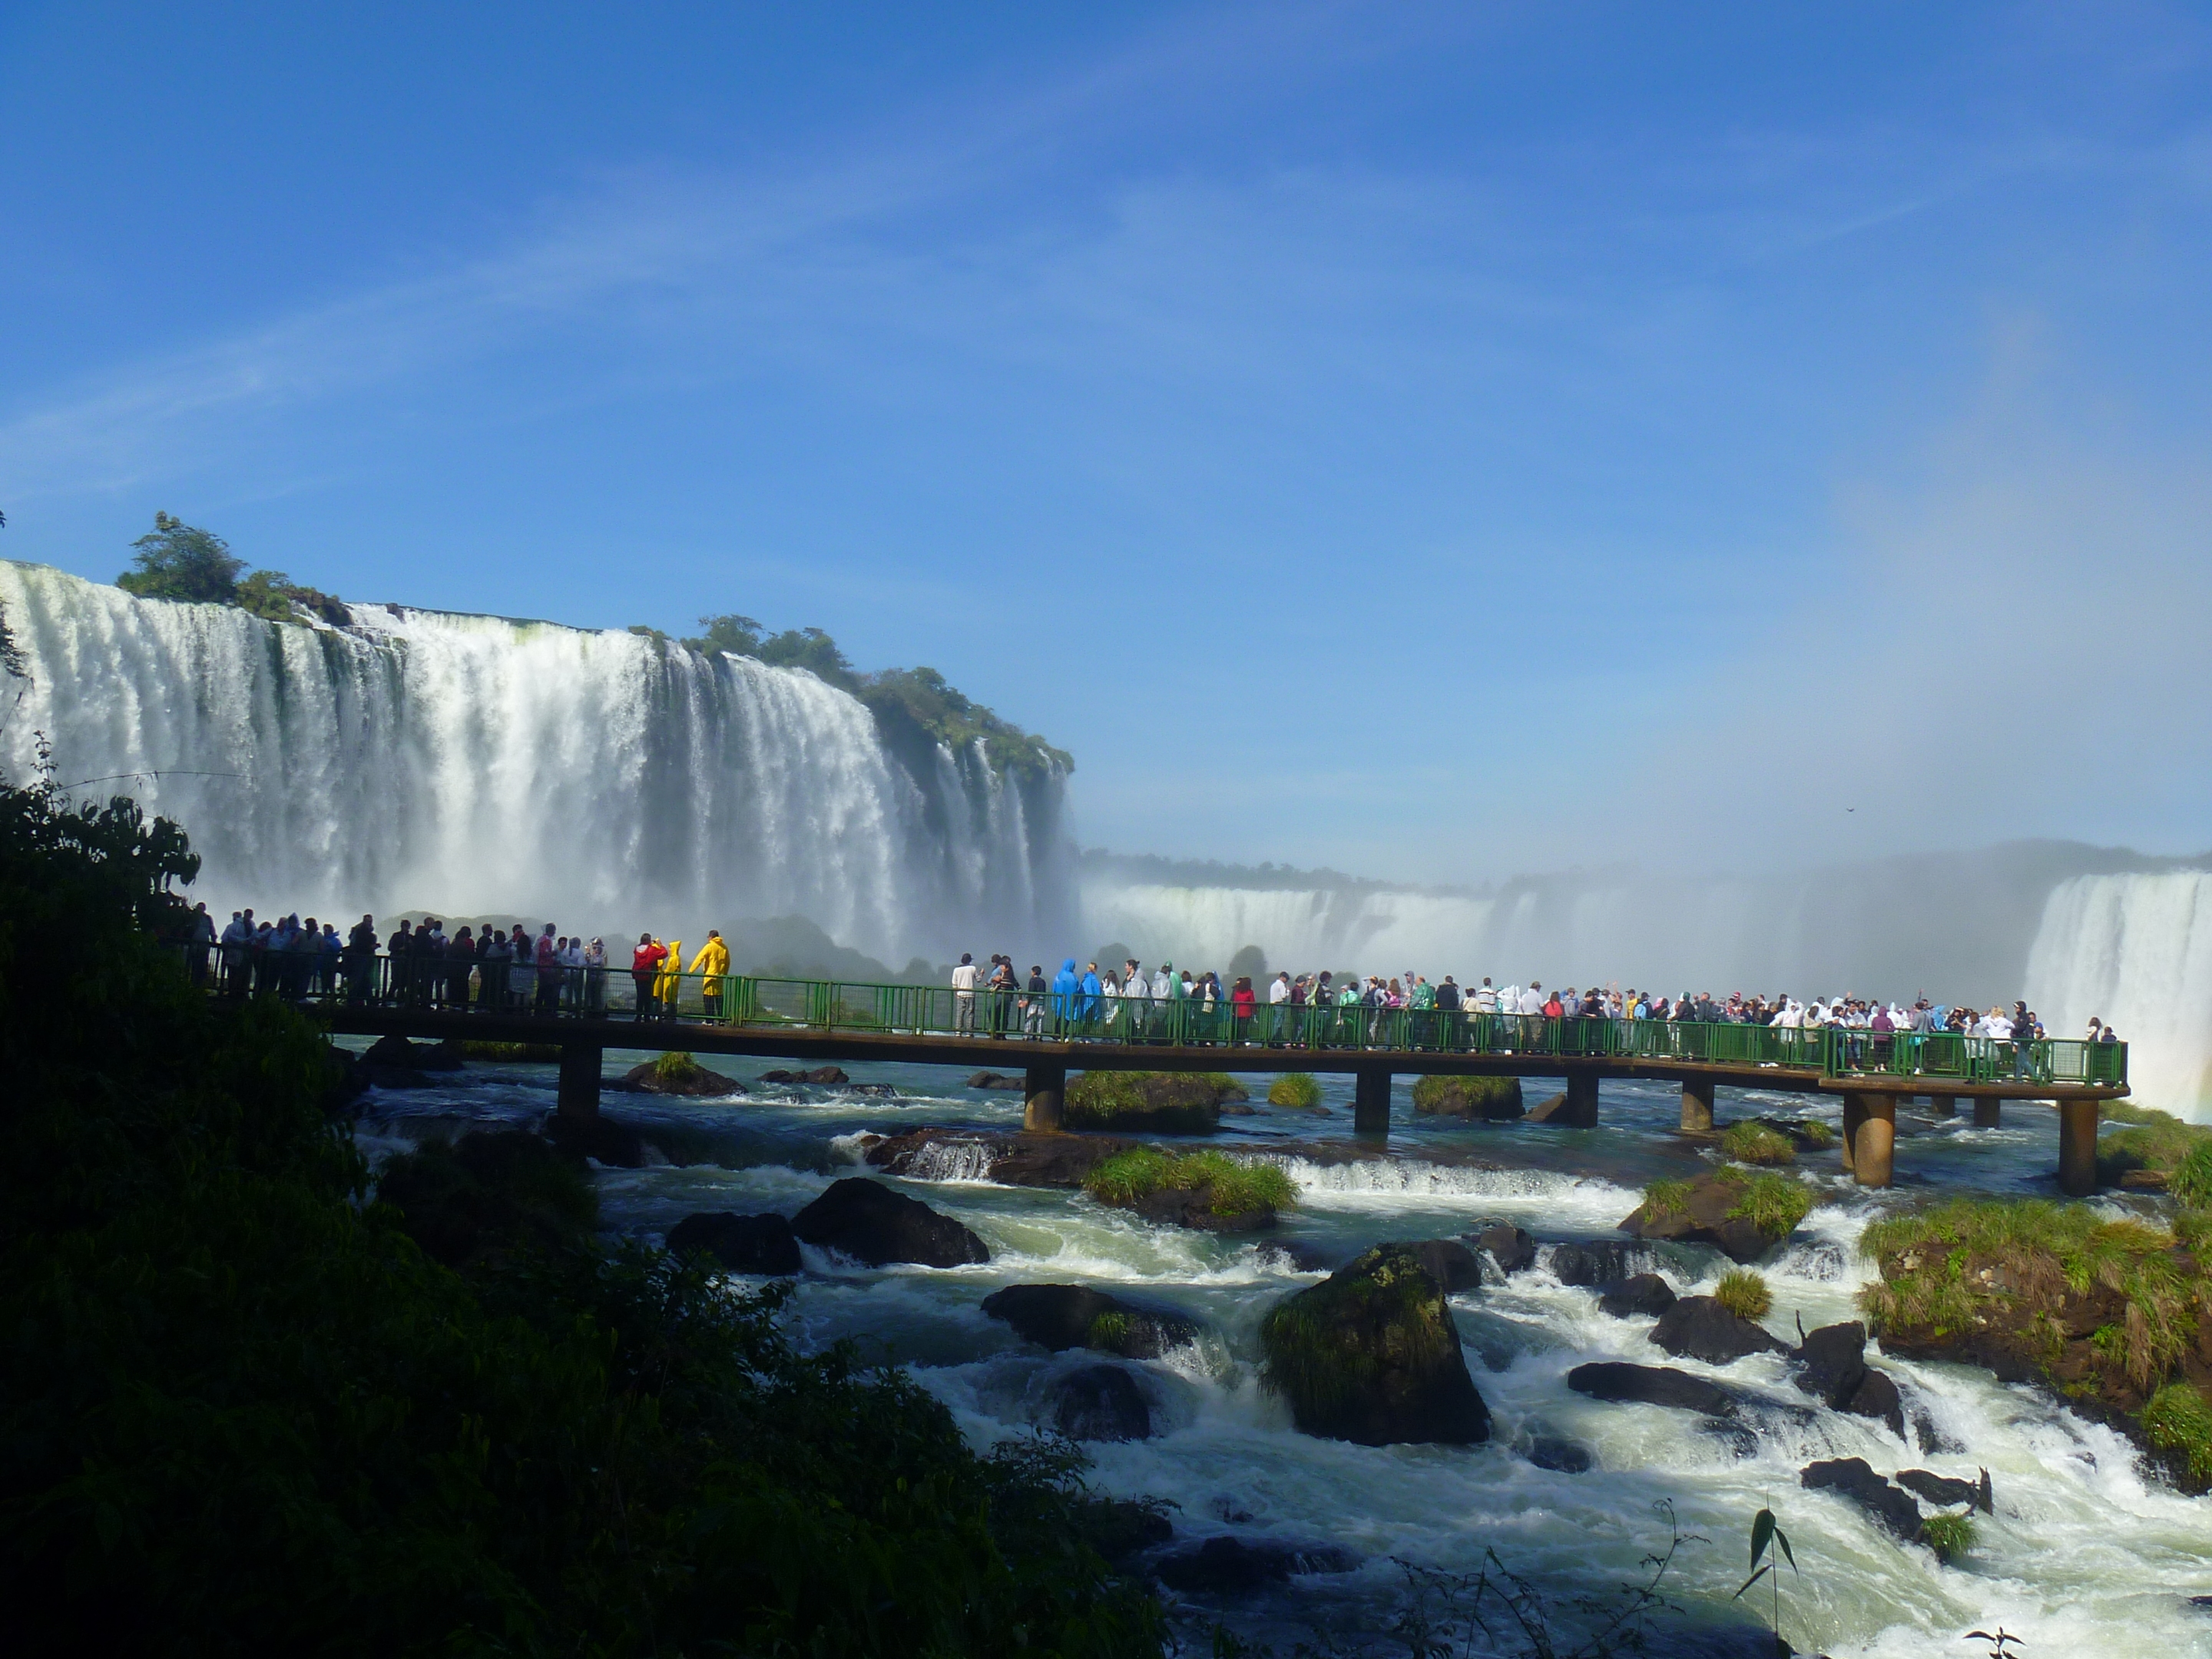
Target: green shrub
{"points": [[2190, 1182], [1744, 1293], [1949, 1535], [675, 1067], [1774, 1204], [2154, 1141], [1755, 1143], [1663, 1198], [2180, 1419], [1814, 1131], [1237, 1188], [1300, 1090]]}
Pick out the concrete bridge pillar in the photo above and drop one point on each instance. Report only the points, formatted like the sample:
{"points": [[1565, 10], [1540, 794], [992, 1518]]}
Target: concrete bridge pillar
{"points": [[1371, 1101], [1580, 1110], [1046, 1089], [2077, 1147], [1870, 1137], [1697, 1107], [1987, 1112], [579, 1091], [1943, 1105]]}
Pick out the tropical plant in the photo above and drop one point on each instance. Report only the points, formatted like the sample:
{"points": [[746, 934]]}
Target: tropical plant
{"points": [[1764, 1531]]}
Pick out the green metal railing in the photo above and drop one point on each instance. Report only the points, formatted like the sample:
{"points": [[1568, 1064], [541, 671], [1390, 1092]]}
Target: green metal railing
{"points": [[828, 1006]]}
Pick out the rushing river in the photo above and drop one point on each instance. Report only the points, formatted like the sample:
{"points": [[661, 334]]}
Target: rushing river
{"points": [[2084, 1557]]}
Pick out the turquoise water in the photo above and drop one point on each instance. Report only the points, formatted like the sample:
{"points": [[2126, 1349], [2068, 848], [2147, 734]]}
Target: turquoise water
{"points": [[2084, 1552]]}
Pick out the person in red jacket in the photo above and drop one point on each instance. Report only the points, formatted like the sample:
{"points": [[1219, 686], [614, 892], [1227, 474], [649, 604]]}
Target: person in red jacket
{"points": [[645, 963]]}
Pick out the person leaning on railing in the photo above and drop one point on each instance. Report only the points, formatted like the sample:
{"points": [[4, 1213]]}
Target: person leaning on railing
{"points": [[713, 961], [644, 967]]}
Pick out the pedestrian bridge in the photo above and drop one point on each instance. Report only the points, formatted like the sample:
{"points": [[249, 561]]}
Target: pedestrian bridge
{"points": [[586, 1011]]}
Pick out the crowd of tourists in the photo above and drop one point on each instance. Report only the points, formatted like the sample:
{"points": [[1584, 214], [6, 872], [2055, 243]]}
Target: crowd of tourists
{"points": [[512, 970]]}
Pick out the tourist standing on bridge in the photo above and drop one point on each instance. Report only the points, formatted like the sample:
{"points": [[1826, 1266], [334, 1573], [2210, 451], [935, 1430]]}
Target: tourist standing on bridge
{"points": [[1094, 1001], [1067, 991], [644, 968], [494, 957], [595, 978], [546, 956], [460, 957], [1029, 1006], [712, 961], [963, 996]]}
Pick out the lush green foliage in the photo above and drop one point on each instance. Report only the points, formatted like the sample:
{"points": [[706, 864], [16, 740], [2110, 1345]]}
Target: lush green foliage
{"points": [[676, 1065], [2180, 1419], [1237, 1188], [1312, 1344], [1300, 1090], [2153, 1140], [1774, 1204], [1160, 1103], [249, 1412], [1751, 1142], [178, 561], [1464, 1094], [1949, 1535], [1745, 1294], [1667, 1197], [2191, 1181]]}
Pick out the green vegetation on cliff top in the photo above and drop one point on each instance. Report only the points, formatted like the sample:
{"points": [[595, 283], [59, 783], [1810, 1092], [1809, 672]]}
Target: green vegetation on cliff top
{"points": [[250, 1409]]}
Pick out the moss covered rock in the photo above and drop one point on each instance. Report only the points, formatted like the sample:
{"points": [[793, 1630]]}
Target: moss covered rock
{"points": [[1061, 1317], [1300, 1091], [1372, 1356], [1208, 1189], [1743, 1215], [1156, 1102], [1494, 1099]]}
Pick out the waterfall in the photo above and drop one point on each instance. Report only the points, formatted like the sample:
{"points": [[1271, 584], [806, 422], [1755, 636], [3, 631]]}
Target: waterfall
{"points": [[2135, 952], [483, 767]]}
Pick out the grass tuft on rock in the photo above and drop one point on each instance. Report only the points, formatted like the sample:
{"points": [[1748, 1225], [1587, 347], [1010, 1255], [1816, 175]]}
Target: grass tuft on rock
{"points": [[1755, 1143], [1814, 1132], [2191, 1181], [1744, 1293], [1467, 1097], [1774, 1204], [1237, 1188], [2154, 1140], [1949, 1535], [2179, 1419], [675, 1067], [1299, 1090], [1159, 1102]]}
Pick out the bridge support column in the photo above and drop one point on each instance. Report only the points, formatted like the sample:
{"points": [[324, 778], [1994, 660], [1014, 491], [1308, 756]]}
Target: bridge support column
{"points": [[1942, 1105], [1046, 1089], [1371, 1101], [2077, 1147], [1988, 1113], [579, 1092], [1870, 1141], [1697, 1107], [1581, 1110]]}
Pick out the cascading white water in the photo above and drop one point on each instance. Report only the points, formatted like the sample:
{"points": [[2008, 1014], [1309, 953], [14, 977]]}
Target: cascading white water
{"points": [[484, 766], [2135, 952]]}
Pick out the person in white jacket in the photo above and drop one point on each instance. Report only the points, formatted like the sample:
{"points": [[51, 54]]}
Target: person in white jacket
{"points": [[963, 995]]}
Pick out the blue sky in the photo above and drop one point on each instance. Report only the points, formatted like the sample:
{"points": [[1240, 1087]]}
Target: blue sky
{"points": [[1441, 442]]}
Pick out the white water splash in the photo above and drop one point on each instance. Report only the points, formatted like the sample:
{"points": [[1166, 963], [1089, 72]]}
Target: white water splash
{"points": [[485, 767]]}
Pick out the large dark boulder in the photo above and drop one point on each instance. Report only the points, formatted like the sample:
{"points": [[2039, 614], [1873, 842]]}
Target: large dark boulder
{"points": [[1651, 1385], [1593, 1262], [1699, 1328], [1450, 1263], [600, 1139], [742, 1243], [1101, 1402], [1852, 1478], [1556, 1452], [869, 1222], [998, 1081], [1722, 1208], [1119, 1527], [395, 1051], [345, 1079], [1149, 1102], [826, 1076], [1021, 1159], [1638, 1293], [1370, 1355], [1943, 1491], [1230, 1566], [1512, 1249], [676, 1074], [1058, 1316], [1834, 1361]]}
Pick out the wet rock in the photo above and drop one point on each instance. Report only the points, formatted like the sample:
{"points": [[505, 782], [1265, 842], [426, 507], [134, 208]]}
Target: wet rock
{"points": [[1370, 1355], [1876, 1396], [1833, 1359], [1547, 1108], [1119, 1527], [1651, 1385], [1152, 1103], [1101, 1402], [1943, 1491], [1450, 1263], [690, 1081], [1295, 1253], [1492, 1099], [1638, 1293], [397, 1052], [1552, 1452], [1599, 1261], [1739, 1438], [742, 1243], [396, 1077], [1237, 1109], [1512, 1249], [1193, 1207], [866, 1220], [998, 1081], [1702, 1217], [600, 1139], [828, 1077], [874, 1091], [1933, 1439], [1699, 1328], [1061, 1317], [1852, 1478], [1019, 1159], [1230, 1566]]}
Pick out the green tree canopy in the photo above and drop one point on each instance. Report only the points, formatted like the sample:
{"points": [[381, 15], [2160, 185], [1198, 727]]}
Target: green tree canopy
{"points": [[178, 561]]}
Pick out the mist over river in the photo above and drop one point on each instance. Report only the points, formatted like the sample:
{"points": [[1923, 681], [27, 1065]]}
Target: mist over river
{"points": [[2085, 1556]]}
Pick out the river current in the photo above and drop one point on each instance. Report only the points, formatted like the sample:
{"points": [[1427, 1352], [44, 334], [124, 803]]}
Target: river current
{"points": [[2085, 1556]]}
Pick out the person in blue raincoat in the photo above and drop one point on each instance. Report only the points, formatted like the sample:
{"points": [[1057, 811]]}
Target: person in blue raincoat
{"points": [[1094, 995], [1067, 991]]}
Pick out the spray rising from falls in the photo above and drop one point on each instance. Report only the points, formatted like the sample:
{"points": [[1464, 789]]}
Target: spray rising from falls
{"points": [[488, 767]]}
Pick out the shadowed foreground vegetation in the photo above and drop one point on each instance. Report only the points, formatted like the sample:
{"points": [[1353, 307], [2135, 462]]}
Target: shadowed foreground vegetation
{"points": [[251, 1409]]}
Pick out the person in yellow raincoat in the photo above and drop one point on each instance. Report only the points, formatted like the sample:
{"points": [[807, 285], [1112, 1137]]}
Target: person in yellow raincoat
{"points": [[668, 984], [713, 961]]}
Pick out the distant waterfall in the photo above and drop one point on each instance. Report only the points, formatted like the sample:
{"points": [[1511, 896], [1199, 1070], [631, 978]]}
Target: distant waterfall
{"points": [[2135, 950], [485, 767]]}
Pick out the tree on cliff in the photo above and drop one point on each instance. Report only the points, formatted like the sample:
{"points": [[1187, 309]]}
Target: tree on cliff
{"points": [[178, 561]]}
